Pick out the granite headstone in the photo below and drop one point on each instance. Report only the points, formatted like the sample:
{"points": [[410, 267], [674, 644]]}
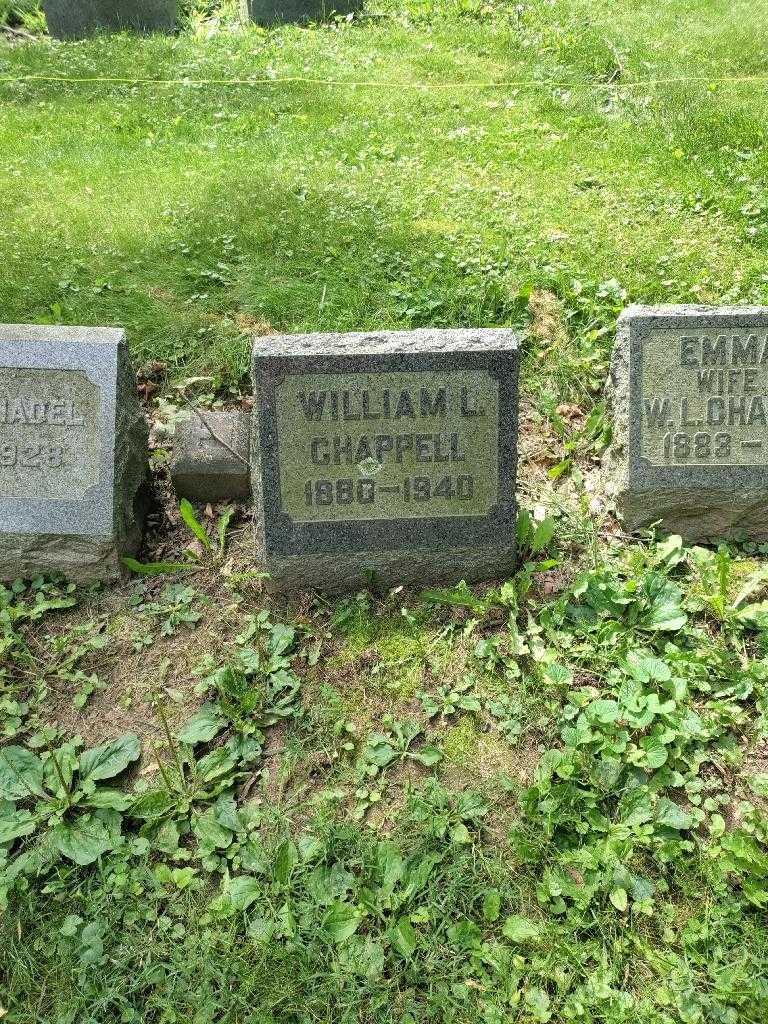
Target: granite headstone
{"points": [[73, 458], [689, 390], [76, 19], [275, 12], [210, 456], [385, 457]]}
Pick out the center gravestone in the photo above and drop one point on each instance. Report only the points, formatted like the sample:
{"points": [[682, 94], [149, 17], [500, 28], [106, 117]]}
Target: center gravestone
{"points": [[387, 457], [690, 402], [72, 452]]}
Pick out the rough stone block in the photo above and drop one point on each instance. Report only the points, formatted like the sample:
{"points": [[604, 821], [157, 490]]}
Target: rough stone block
{"points": [[388, 456], [689, 391], [76, 19], [73, 457], [210, 456]]}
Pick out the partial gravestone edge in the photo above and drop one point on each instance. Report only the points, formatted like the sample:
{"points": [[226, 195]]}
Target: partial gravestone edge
{"points": [[73, 453], [688, 398], [78, 19], [281, 12]]}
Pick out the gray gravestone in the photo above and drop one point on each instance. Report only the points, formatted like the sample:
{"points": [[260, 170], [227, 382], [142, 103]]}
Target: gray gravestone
{"points": [[73, 457], [272, 12], [76, 19], [210, 456], [388, 455], [690, 402]]}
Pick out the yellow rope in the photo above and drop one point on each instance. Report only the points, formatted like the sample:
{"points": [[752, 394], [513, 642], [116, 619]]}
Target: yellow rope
{"points": [[523, 84]]}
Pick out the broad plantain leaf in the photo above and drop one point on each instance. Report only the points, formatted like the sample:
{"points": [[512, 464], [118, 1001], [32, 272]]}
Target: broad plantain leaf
{"points": [[428, 755], [491, 905], [672, 815], [341, 921], [243, 890], [109, 759], [151, 805], [286, 859], [14, 823], [114, 799], [403, 937], [545, 531], [203, 726], [754, 616], [209, 832], [82, 840], [537, 1001], [215, 765], [521, 929], [618, 898], [663, 611], [21, 773], [281, 638]]}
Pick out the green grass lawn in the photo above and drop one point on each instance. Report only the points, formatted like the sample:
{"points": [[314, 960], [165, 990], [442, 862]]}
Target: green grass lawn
{"points": [[186, 212], [543, 801]]}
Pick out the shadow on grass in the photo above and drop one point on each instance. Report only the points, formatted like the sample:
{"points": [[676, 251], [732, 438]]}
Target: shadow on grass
{"points": [[255, 255]]}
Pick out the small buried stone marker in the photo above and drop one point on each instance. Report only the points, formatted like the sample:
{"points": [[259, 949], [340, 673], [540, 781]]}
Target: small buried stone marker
{"points": [[689, 389], [210, 456], [389, 455], [73, 452]]}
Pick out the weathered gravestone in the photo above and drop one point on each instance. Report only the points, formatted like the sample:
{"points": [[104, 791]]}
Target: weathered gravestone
{"points": [[690, 401], [76, 19], [387, 456], [72, 452], [210, 456], [271, 12]]}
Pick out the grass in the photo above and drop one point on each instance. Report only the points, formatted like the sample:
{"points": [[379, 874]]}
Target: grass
{"points": [[515, 878], [189, 213], [543, 801]]}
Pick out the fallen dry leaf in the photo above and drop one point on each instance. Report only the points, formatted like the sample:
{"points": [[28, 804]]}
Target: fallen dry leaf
{"points": [[570, 412]]}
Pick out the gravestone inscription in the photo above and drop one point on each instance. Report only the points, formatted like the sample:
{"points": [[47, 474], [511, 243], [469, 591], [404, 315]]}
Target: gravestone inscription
{"points": [[72, 452], [387, 455], [690, 398]]}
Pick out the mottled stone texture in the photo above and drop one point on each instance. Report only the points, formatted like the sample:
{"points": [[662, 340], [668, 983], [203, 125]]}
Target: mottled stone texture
{"points": [[271, 12], [688, 392], [73, 453], [76, 19], [385, 457], [210, 456]]}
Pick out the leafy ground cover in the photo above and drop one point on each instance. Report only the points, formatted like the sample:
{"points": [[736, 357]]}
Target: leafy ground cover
{"points": [[540, 800]]}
